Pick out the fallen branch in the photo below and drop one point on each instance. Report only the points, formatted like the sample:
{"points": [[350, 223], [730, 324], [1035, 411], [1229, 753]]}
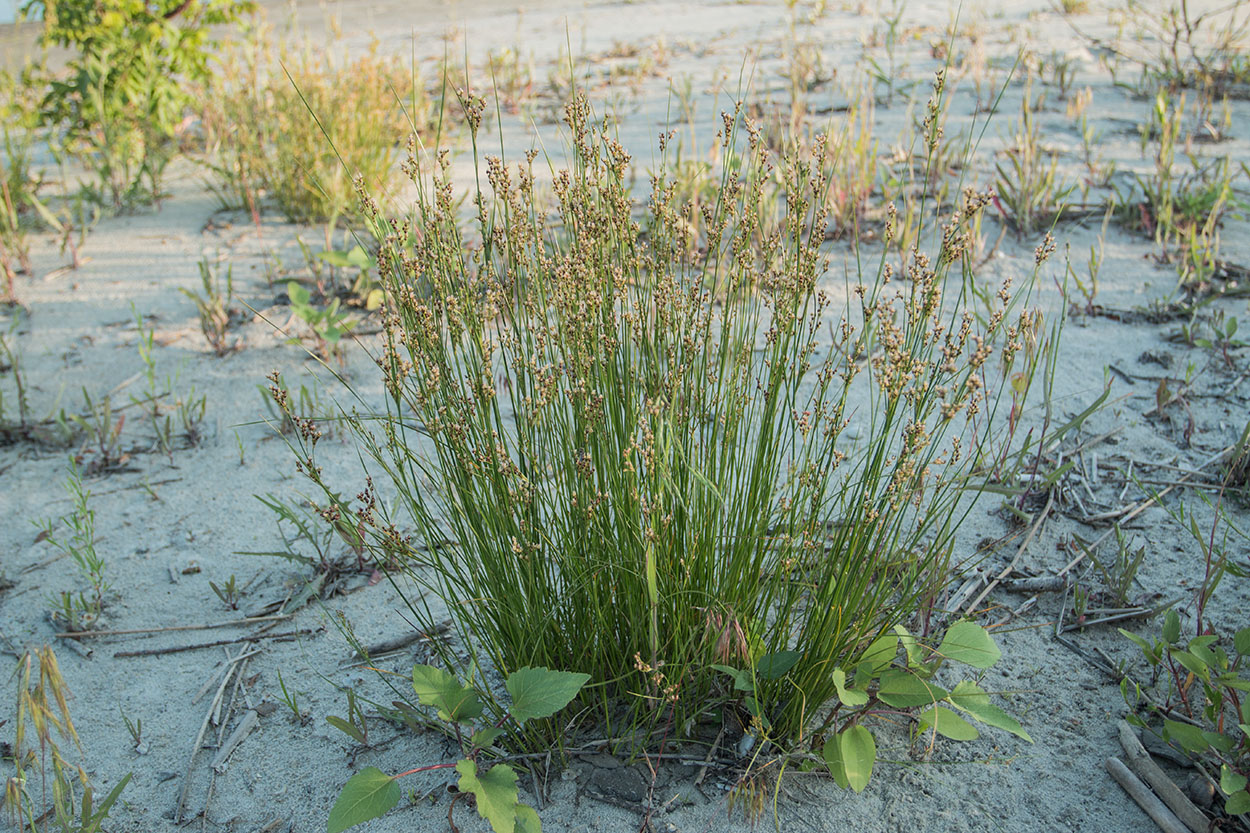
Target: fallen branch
{"points": [[1145, 799], [1144, 767]]}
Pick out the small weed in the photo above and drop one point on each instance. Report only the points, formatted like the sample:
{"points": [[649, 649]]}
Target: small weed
{"points": [[537, 694], [228, 592], [354, 725], [289, 699], [327, 324], [214, 308], [135, 729], [74, 535], [1030, 191]]}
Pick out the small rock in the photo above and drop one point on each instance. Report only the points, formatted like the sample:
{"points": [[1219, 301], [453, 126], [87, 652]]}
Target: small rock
{"points": [[1201, 791]]}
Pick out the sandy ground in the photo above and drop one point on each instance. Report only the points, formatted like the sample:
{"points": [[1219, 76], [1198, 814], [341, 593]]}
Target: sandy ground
{"points": [[168, 524]]}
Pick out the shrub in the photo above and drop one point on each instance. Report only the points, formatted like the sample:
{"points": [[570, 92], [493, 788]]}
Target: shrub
{"points": [[280, 129], [128, 84], [642, 458]]}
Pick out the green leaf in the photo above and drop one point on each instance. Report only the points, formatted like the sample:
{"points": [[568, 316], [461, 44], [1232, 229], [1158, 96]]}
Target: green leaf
{"points": [[527, 820], [496, 793], [1171, 627], [1189, 737], [742, 679], [833, 758], [297, 294], [776, 665], [859, 752], [970, 698], [850, 697], [912, 646], [346, 728], [947, 724], [1241, 642], [903, 690], [366, 795], [881, 652], [437, 688], [1237, 803], [540, 692], [967, 642], [374, 299], [483, 738], [1145, 646]]}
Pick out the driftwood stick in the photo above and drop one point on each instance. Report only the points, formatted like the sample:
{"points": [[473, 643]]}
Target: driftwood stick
{"points": [[1145, 799], [396, 643], [1036, 584], [199, 738], [152, 652], [251, 620], [1144, 767], [246, 725]]}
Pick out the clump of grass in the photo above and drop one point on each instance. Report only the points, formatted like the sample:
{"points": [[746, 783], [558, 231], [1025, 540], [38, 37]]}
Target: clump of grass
{"points": [[641, 456], [43, 726], [291, 126], [1030, 190]]}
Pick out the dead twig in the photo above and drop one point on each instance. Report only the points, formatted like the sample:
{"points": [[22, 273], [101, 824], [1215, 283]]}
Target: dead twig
{"points": [[251, 620], [152, 652]]}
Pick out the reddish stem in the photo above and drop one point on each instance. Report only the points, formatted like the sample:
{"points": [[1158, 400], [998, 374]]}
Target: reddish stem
{"points": [[425, 769]]}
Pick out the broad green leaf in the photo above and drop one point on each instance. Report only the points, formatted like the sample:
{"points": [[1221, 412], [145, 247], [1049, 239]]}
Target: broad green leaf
{"points": [[496, 793], [881, 652], [904, 691], [483, 738], [850, 697], [1172, 626], [374, 299], [912, 646], [967, 642], [366, 795], [298, 294], [527, 820], [742, 679], [833, 757], [972, 699], [859, 752], [947, 724], [1189, 737], [1192, 663], [1145, 646], [437, 688], [1218, 742], [1237, 803], [1241, 642], [777, 665], [540, 692]]}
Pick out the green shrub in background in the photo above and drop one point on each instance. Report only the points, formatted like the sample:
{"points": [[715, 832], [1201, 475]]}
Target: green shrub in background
{"points": [[128, 84], [606, 455], [277, 128]]}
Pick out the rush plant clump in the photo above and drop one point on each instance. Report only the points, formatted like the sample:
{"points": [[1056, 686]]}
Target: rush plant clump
{"points": [[642, 458]]}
